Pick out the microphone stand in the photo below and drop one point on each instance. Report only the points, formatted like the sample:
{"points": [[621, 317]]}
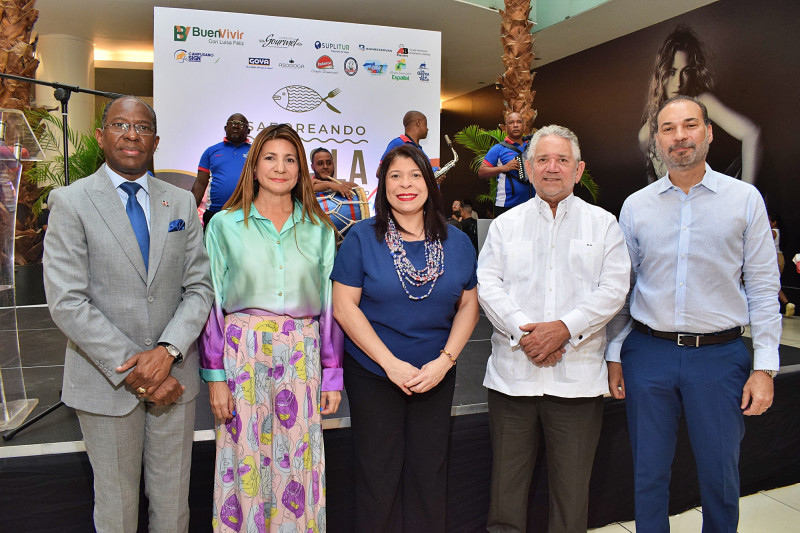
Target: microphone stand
{"points": [[62, 93]]}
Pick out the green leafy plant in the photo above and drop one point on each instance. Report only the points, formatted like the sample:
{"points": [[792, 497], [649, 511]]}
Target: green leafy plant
{"points": [[85, 155], [479, 141]]}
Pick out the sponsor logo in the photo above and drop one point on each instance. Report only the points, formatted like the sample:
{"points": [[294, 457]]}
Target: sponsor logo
{"points": [[338, 48], [400, 65], [423, 73], [350, 66], [262, 63], [402, 51], [291, 64], [279, 42], [365, 48], [400, 77], [300, 99], [214, 35], [418, 52], [325, 62], [375, 67], [183, 56]]}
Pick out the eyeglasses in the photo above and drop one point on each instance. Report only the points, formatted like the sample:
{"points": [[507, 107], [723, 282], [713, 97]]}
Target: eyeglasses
{"points": [[122, 127], [237, 123]]}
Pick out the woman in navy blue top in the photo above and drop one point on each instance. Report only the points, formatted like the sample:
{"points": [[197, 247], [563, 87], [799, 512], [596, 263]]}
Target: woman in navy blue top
{"points": [[404, 293]]}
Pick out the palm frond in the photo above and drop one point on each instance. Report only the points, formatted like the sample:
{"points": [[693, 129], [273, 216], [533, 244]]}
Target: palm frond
{"points": [[588, 183], [478, 141], [85, 155]]}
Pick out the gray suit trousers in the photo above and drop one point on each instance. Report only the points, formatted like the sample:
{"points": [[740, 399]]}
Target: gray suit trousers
{"points": [[158, 437]]}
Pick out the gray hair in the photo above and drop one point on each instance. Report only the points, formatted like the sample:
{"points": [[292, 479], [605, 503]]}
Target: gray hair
{"points": [[558, 131]]}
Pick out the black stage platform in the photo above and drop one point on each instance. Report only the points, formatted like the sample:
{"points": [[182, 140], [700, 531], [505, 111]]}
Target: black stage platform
{"points": [[46, 482]]}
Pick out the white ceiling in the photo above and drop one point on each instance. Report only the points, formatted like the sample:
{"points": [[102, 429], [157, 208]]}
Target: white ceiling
{"points": [[470, 35]]}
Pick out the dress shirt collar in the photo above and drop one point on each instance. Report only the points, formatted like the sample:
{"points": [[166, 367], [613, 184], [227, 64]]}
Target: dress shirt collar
{"points": [[118, 180], [297, 215], [710, 181], [544, 208]]}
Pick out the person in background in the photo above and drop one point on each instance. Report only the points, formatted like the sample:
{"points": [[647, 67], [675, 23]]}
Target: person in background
{"points": [[471, 208], [776, 237], [502, 163], [404, 293], [271, 351], [456, 210], [324, 175], [222, 164], [469, 224], [415, 125]]}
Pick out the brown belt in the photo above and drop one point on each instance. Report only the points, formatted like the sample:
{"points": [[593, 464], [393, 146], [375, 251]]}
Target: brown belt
{"points": [[694, 340]]}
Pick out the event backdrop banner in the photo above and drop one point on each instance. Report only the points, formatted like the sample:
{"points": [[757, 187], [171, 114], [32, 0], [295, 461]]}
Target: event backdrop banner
{"points": [[342, 86]]}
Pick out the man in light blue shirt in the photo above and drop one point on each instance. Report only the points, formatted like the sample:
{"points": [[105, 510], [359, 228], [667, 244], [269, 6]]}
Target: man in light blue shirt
{"points": [[704, 267]]}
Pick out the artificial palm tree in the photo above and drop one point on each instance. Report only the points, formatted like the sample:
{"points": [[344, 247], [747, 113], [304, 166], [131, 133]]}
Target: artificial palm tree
{"points": [[17, 50], [516, 81]]}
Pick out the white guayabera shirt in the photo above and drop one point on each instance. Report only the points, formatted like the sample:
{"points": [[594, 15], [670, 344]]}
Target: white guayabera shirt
{"points": [[535, 267]]}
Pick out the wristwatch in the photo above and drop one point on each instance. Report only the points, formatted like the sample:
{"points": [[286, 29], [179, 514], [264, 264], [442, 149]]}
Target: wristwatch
{"points": [[173, 351], [770, 373]]}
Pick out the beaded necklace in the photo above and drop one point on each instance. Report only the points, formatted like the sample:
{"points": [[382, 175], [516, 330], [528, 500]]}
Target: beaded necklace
{"points": [[434, 262]]}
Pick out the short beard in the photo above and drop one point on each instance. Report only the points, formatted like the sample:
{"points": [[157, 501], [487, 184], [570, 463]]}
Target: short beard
{"points": [[699, 156]]}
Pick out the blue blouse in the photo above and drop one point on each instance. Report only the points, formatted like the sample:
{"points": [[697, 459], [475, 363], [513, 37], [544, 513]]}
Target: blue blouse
{"points": [[413, 330]]}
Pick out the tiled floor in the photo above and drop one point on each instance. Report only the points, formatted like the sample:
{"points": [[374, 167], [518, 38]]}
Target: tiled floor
{"points": [[772, 511]]}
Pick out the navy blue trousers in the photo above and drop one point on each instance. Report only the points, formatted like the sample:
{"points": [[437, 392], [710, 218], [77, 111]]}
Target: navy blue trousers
{"points": [[663, 381]]}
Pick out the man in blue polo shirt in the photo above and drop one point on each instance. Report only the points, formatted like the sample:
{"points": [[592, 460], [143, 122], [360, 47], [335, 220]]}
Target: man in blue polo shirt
{"points": [[223, 163], [501, 163], [416, 129]]}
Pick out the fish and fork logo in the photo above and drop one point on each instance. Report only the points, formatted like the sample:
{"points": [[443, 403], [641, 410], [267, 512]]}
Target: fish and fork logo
{"points": [[301, 99]]}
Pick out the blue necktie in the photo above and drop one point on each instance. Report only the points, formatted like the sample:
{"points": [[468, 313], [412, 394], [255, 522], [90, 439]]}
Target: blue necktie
{"points": [[138, 220]]}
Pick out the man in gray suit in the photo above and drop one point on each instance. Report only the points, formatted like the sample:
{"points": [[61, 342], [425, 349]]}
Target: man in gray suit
{"points": [[127, 281]]}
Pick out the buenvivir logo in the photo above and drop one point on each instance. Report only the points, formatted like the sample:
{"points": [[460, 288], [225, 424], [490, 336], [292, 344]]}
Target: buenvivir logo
{"points": [[214, 35], [182, 33]]}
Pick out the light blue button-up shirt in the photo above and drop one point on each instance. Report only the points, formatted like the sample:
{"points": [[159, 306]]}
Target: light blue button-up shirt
{"points": [[702, 262], [142, 195]]}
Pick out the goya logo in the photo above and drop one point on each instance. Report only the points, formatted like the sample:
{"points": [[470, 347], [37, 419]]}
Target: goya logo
{"points": [[260, 63]]}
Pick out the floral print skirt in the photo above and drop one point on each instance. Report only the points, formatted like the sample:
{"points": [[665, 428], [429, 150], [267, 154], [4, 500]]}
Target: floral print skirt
{"points": [[270, 466]]}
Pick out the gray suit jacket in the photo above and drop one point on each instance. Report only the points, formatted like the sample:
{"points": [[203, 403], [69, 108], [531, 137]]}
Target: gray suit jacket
{"points": [[105, 302]]}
